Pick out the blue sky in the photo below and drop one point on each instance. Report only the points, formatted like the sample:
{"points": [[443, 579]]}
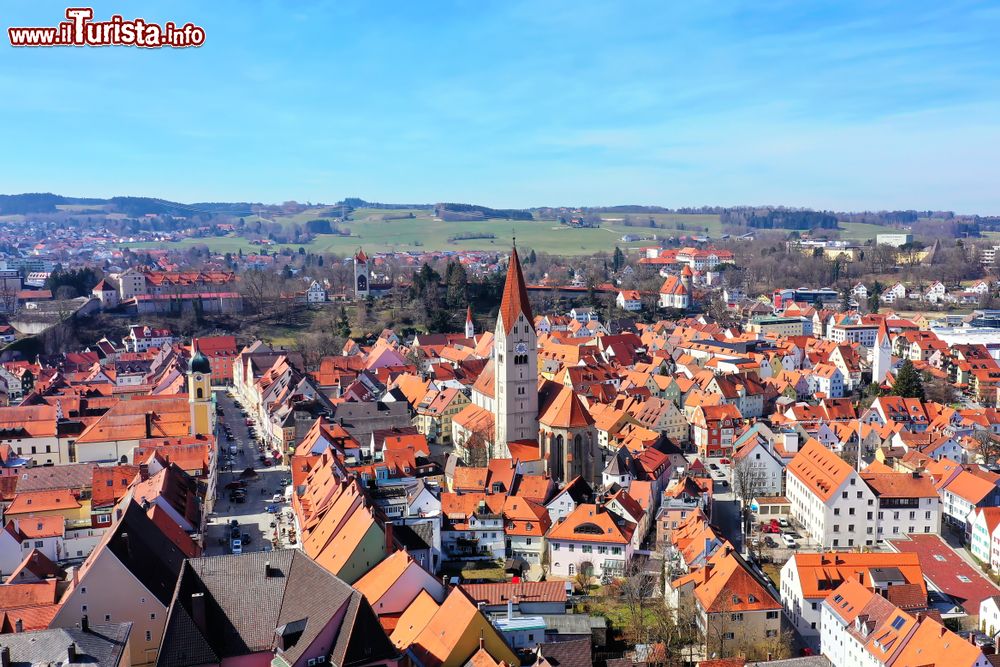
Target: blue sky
{"points": [[844, 105]]}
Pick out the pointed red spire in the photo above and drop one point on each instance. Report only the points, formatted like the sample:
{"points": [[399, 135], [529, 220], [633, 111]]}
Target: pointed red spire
{"points": [[515, 295], [361, 256], [468, 315]]}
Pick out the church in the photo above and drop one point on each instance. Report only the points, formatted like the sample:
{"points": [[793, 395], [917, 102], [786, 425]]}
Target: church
{"points": [[511, 406]]}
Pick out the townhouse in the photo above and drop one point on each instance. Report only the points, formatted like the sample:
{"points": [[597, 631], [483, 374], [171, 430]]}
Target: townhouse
{"points": [[734, 609], [830, 499], [860, 627], [808, 578], [590, 540]]}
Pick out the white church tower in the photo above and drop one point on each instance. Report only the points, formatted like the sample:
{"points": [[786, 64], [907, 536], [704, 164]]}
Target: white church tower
{"points": [[362, 275], [515, 358], [470, 328], [881, 354]]}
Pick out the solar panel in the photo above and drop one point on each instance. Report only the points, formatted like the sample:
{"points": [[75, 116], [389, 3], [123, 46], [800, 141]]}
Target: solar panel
{"points": [[898, 622]]}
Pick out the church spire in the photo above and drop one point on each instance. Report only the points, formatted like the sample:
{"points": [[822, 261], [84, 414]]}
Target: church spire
{"points": [[470, 328], [515, 295]]}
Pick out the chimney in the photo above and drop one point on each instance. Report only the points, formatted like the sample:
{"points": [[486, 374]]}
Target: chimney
{"points": [[510, 609], [390, 546], [198, 611], [71, 654], [18, 626], [85, 623], [149, 424], [268, 573], [5, 656]]}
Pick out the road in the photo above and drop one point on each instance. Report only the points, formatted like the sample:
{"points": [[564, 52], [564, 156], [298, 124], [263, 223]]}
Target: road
{"points": [[253, 518], [725, 507]]}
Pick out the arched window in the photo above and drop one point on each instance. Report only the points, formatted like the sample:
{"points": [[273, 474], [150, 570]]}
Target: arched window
{"points": [[577, 442], [199, 393]]}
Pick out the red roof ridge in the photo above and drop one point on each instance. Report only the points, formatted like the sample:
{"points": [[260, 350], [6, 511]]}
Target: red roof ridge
{"points": [[515, 295]]}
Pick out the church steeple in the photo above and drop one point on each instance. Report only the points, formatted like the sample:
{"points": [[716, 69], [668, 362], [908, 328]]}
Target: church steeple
{"points": [[515, 358], [470, 328], [515, 295], [881, 354]]}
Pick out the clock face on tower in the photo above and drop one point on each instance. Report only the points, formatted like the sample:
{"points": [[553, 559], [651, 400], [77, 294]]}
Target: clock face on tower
{"points": [[520, 348]]}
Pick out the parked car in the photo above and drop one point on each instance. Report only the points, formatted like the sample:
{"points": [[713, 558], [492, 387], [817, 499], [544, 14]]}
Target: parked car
{"points": [[236, 547], [713, 466], [724, 461], [236, 484], [277, 498], [770, 527], [784, 523], [769, 541], [788, 541]]}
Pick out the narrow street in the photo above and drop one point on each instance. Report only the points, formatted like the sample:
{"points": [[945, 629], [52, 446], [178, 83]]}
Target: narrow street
{"points": [[252, 516]]}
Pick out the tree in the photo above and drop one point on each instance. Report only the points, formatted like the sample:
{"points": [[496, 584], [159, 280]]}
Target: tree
{"points": [[908, 383], [939, 390], [987, 447], [456, 282], [343, 324], [748, 481], [618, 261], [874, 302]]}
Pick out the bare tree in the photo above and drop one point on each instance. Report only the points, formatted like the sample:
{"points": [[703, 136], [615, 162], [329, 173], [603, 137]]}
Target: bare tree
{"points": [[748, 481], [987, 446]]}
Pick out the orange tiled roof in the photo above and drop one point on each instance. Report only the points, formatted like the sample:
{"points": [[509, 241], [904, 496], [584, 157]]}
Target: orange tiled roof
{"points": [[43, 501]]}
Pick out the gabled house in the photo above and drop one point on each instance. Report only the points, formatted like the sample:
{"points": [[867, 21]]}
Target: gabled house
{"points": [[302, 615]]}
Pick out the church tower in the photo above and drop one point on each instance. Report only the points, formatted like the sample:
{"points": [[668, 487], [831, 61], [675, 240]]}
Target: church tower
{"points": [[200, 392], [470, 328], [515, 359], [881, 354], [362, 274]]}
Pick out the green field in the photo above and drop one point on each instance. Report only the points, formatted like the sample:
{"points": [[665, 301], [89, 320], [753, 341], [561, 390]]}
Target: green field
{"points": [[862, 231], [371, 231]]}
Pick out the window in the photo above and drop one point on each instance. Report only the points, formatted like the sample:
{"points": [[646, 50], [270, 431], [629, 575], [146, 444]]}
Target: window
{"points": [[774, 633], [39, 544], [736, 617], [555, 547], [843, 494], [149, 636], [107, 618], [152, 617], [728, 635], [964, 579], [83, 608]]}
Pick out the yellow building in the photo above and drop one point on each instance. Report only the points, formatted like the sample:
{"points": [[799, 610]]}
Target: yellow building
{"points": [[55, 502], [436, 412], [200, 393]]}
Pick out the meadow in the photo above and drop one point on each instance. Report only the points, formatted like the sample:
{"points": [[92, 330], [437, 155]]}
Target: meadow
{"points": [[377, 230]]}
